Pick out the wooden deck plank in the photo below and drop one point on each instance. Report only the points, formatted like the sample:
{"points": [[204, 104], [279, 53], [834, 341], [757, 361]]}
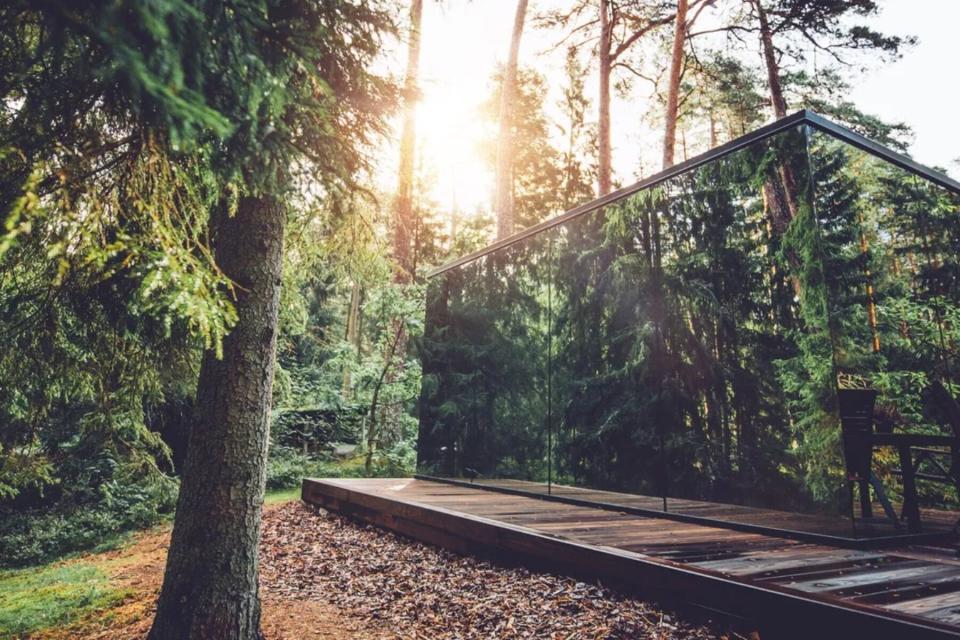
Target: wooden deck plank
{"points": [[943, 608], [762, 562], [884, 593], [863, 578], [830, 528]]}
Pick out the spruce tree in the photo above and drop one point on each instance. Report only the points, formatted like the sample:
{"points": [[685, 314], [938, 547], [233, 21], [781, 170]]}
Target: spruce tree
{"points": [[263, 101]]}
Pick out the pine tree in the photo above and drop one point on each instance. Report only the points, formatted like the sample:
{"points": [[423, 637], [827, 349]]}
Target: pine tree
{"points": [[618, 27], [235, 102], [503, 188]]}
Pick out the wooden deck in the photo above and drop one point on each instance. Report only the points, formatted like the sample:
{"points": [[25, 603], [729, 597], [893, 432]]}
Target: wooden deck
{"points": [[786, 588], [833, 530]]}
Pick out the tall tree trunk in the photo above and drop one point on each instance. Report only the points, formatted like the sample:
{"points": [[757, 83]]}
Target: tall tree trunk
{"points": [[403, 202], [210, 585], [603, 126], [673, 91], [869, 290], [404, 221], [508, 100], [777, 101], [780, 193]]}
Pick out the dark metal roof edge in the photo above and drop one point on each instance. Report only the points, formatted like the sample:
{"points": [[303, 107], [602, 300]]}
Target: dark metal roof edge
{"points": [[713, 154], [804, 116], [865, 144]]}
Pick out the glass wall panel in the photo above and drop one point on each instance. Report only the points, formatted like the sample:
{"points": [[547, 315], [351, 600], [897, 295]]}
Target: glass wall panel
{"points": [[893, 278], [691, 348], [484, 353], [680, 348], [607, 390], [747, 351]]}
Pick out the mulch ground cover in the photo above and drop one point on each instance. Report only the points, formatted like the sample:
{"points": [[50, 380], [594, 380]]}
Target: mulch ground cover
{"points": [[418, 591]]}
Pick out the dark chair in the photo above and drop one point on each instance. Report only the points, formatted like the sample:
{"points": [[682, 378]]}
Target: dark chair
{"points": [[941, 464], [856, 422]]}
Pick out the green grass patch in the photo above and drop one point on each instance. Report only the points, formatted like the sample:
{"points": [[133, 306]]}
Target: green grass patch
{"points": [[52, 595], [282, 495]]}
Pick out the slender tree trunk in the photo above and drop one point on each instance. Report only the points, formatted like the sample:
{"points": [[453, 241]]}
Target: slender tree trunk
{"points": [[780, 193], [713, 130], [777, 101], [868, 285], [673, 91], [352, 334], [375, 430], [508, 100], [403, 202], [604, 182], [210, 584]]}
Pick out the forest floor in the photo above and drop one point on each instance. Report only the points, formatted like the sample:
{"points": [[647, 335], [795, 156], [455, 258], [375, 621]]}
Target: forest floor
{"points": [[324, 577]]}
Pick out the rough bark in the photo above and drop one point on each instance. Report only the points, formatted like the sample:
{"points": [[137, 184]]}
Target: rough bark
{"points": [[403, 222], [608, 55], [508, 100], [673, 90], [604, 181], [210, 584], [777, 101], [779, 192]]}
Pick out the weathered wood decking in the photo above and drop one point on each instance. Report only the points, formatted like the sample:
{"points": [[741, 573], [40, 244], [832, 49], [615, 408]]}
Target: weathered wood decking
{"points": [[787, 588], [833, 530]]}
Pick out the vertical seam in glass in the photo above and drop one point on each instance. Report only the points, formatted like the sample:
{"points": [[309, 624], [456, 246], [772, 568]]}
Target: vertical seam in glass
{"points": [[812, 197], [549, 363]]}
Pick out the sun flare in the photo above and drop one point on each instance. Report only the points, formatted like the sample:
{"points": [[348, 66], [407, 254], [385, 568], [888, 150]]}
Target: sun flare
{"points": [[450, 139]]}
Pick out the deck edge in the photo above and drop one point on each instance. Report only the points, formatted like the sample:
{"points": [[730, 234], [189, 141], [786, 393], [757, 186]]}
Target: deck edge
{"points": [[776, 610]]}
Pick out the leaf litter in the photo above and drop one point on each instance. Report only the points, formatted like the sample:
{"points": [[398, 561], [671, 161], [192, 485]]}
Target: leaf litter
{"points": [[424, 592]]}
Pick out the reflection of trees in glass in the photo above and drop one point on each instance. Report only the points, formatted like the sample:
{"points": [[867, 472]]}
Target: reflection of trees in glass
{"points": [[808, 250], [675, 315], [484, 388], [605, 386], [730, 303], [736, 321], [690, 335], [893, 282]]}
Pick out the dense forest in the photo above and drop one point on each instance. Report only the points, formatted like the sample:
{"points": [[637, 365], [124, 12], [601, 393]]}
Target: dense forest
{"points": [[219, 217], [687, 340]]}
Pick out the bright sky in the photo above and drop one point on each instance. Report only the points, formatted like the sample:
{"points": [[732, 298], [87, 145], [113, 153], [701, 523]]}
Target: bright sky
{"points": [[921, 89], [464, 41]]}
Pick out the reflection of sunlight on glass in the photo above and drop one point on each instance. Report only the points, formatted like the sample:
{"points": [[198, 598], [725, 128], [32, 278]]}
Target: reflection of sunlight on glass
{"points": [[449, 136]]}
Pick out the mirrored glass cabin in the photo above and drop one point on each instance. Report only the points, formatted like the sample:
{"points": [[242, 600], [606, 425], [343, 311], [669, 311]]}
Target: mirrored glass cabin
{"points": [[764, 337]]}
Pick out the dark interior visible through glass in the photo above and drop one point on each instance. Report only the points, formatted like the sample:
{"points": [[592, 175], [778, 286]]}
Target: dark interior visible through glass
{"points": [[768, 338]]}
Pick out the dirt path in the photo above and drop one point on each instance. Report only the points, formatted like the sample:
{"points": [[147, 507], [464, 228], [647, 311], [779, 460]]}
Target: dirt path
{"points": [[137, 569], [327, 578]]}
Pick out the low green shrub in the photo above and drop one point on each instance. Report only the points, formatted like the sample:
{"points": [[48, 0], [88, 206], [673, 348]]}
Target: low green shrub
{"points": [[287, 467], [315, 428], [30, 536]]}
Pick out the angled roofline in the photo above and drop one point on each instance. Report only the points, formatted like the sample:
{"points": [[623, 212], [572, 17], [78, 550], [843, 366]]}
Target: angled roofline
{"points": [[800, 117]]}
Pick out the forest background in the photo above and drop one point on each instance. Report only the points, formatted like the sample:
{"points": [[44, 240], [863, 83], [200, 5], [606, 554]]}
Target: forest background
{"points": [[103, 334]]}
